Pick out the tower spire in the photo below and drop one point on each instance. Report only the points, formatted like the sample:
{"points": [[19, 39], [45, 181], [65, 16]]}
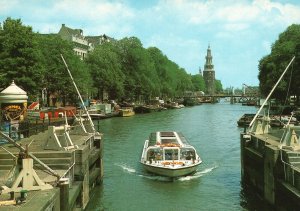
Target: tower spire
{"points": [[209, 73], [208, 63]]}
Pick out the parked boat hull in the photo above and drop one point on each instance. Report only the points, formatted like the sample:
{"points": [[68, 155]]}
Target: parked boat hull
{"points": [[126, 112]]}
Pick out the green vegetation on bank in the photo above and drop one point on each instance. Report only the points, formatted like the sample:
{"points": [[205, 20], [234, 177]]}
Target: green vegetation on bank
{"points": [[122, 68], [272, 66]]}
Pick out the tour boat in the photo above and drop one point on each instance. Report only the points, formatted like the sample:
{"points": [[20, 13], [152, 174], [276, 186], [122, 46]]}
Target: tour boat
{"points": [[169, 154]]}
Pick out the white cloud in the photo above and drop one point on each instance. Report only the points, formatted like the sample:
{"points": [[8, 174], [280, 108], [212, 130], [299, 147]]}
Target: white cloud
{"points": [[182, 29], [6, 6], [180, 50], [235, 26], [91, 16], [230, 13], [237, 13], [93, 10]]}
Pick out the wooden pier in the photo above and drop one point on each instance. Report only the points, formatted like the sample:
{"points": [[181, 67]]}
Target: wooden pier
{"points": [[73, 157]]}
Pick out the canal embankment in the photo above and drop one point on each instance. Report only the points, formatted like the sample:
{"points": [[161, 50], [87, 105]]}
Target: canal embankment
{"points": [[270, 162], [56, 171]]}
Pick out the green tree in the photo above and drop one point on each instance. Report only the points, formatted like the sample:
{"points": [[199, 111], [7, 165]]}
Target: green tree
{"points": [[19, 56], [272, 66], [55, 76], [183, 82], [139, 69], [218, 86], [105, 67], [174, 81], [160, 62], [198, 82]]}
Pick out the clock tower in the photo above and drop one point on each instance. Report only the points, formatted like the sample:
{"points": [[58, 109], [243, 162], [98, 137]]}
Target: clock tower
{"points": [[209, 73]]}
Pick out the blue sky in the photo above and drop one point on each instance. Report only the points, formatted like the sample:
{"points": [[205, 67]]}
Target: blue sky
{"points": [[240, 32]]}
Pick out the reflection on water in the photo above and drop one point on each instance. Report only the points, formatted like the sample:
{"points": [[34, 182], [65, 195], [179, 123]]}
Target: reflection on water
{"points": [[211, 129], [251, 200]]}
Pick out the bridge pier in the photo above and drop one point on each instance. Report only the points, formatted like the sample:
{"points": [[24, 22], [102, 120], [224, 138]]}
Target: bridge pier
{"points": [[232, 100]]}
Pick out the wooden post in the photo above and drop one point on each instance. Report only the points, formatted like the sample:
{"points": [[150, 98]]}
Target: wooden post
{"points": [[36, 125], [9, 129], [64, 194]]}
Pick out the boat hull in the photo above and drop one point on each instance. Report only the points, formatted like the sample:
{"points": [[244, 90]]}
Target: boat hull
{"points": [[171, 172], [128, 114]]}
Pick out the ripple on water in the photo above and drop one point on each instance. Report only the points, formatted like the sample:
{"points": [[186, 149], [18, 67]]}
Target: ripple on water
{"points": [[212, 129]]}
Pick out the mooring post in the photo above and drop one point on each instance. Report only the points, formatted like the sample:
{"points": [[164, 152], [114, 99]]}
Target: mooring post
{"points": [[64, 194]]}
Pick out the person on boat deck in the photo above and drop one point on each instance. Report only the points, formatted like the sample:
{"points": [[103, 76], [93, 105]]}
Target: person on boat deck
{"points": [[158, 156], [151, 155], [174, 156], [190, 156], [168, 156]]}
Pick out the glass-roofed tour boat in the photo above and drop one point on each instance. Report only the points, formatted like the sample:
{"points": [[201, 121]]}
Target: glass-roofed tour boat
{"points": [[169, 154]]}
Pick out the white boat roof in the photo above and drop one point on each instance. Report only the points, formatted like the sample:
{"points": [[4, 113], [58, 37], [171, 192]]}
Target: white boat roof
{"points": [[167, 137]]}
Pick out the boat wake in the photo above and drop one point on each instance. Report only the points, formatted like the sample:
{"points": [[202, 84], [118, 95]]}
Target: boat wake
{"points": [[131, 170], [127, 168], [157, 178], [207, 170], [197, 174]]}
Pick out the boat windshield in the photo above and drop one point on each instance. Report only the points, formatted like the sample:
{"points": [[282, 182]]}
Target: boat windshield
{"points": [[171, 154], [154, 154], [188, 154]]}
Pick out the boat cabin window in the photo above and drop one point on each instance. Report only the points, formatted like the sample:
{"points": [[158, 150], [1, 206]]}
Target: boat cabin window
{"points": [[188, 154], [171, 154], [155, 154]]}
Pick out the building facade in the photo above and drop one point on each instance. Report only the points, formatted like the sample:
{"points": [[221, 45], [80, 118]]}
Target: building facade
{"points": [[82, 46], [209, 73]]}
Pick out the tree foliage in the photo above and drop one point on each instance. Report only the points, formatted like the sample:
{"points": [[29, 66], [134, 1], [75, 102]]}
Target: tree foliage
{"points": [[198, 83], [105, 68], [218, 86], [55, 76], [19, 59], [122, 68], [272, 66], [138, 68], [126, 68]]}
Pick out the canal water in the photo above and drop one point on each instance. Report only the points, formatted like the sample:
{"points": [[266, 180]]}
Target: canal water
{"points": [[210, 128]]}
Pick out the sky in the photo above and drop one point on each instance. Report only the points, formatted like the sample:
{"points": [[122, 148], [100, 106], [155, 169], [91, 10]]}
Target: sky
{"points": [[239, 32]]}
